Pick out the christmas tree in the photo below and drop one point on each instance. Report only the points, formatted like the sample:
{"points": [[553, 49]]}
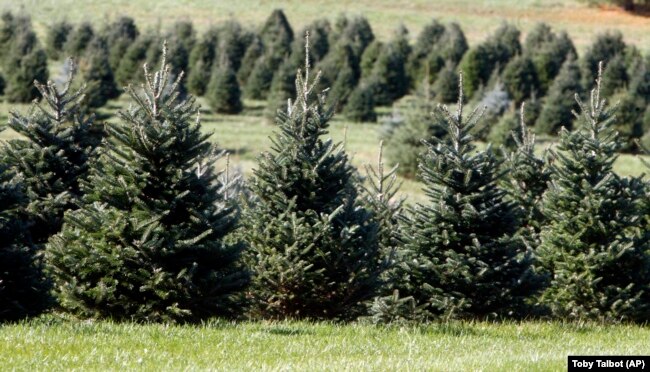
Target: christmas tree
{"points": [[590, 244], [53, 154], [466, 259], [558, 106], [150, 241], [223, 93], [313, 246]]}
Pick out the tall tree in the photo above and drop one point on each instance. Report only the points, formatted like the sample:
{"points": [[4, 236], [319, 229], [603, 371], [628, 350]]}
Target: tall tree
{"points": [[149, 242], [313, 246]]}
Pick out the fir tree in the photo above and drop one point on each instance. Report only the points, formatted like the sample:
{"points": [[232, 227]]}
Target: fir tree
{"points": [[259, 81], [605, 47], [21, 284], [232, 43], [181, 38], [254, 51], [277, 35], [425, 43], [520, 79], [629, 119], [135, 55], [283, 88], [319, 31], [597, 261], [79, 39], [615, 78], [527, 178], [201, 58], [56, 38], [223, 93], [149, 242], [558, 106], [98, 75], [361, 104], [549, 57], [390, 74], [313, 246], [452, 45], [25, 62], [52, 156], [446, 85], [369, 58], [119, 35], [467, 259]]}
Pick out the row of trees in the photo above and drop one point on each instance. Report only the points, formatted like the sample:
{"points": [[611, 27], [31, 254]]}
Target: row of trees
{"points": [[132, 221], [229, 62]]}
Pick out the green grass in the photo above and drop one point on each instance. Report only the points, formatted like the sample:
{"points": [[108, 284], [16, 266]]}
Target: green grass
{"points": [[477, 18], [52, 344], [246, 135]]}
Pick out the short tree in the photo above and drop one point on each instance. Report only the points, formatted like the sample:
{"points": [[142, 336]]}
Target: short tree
{"points": [[313, 246], [201, 59], [558, 107], [97, 73], [79, 39], [149, 242], [119, 35], [520, 79], [56, 38], [598, 263], [283, 89], [466, 257], [360, 106], [223, 93], [25, 62]]}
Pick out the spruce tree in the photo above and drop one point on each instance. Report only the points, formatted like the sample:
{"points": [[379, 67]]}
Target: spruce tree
{"points": [[277, 35], [25, 62], [119, 35], [181, 38], [390, 74], [149, 242], [466, 258], [319, 31], [259, 81], [446, 85], [56, 37], [97, 73], [254, 51], [549, 57], [135, 55], [558, 106], [53, 154], [223, 93], [79, 39], [425, 43], [605, 47], [313, 246], [360, 106], [452, 45], [590, 244], [21, 282], [615, 77], [369, 58]]}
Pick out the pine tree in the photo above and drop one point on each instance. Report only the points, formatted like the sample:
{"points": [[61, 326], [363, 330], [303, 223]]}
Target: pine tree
{"points": [[135, 55], [520, 79], [615, 76], [277, 35], [149, 242], [25, 62], [22, 289], [390, 74], [223, 93], [53, 154], [56, 38], [361, 104], [446, 85], [254, 51], [369, 58], [259, 81], [558, 106], [181, 38], [425, 43], [549, 57], [590, 245], [467, 260], [97, 73], [605, 47], [313, 246], [283, 88], [527, 177], [79, 39], [319, 31]]}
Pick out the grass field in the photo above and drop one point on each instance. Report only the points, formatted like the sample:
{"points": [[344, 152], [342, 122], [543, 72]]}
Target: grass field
{"points": [[52, 344], [477, 17]]}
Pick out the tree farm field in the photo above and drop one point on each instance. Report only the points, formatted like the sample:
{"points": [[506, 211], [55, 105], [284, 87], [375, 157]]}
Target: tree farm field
{"points": [[53, 344], [246, 135]]}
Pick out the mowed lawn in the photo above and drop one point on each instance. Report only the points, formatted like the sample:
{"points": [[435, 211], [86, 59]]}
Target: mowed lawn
{"points": [[53, 344], [246, 135], [477, 17]]}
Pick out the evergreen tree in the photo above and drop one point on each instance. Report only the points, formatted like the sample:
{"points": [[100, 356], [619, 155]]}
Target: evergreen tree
{"points": [[21, 284], [119, 35], [56, 144], [135, 55], [558, 107], [390, 74], [467, 259], [223, 93], [358, 33], [149, 242], [25, 62], [549, 57], [56, 38], [615, 76], [527, 177], [201, 58], [283, 88], [98, 75], [520, 79], [313, 246], [181, 39], [425, 43], [79, 39], [446, 85], [605, 47], [318, 38], [369, 58], [361, 104], [452, 45], [277, 35], [629, 119], [598, 263], [254, 51], [259, 81], [232, 43]]}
